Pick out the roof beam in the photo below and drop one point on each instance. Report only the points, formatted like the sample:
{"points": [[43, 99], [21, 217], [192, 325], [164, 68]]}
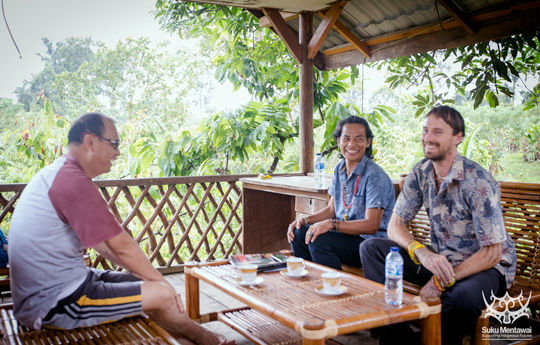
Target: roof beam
{"points": [[285, 32], [324, 28], [458, 15], [349, 36]]}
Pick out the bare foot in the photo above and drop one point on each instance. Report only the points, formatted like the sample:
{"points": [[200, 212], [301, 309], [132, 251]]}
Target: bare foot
{"points": [[223, 341], [207, 337]]}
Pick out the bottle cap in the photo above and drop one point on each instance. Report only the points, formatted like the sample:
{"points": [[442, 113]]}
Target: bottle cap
{"points": [[394, 249]]}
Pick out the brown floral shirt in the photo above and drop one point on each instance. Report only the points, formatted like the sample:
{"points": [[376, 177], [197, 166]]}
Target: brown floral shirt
{"points": [[465, 214]]}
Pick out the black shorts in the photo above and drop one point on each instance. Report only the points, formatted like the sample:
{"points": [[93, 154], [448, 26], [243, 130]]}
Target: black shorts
{"points": [[105, 296]]}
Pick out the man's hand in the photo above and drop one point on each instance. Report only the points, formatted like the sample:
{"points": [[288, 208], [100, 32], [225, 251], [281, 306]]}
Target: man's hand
{"points": [[294, 225], [429, 290], [437, 264], [318, 229]]}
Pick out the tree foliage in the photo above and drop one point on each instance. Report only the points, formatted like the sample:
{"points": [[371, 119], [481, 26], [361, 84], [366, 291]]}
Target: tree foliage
{"points": [[63, 57], [145, 87], [255, 58], [486, 71]]}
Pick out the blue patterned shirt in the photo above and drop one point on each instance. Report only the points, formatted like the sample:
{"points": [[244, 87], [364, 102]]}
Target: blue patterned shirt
{"points": [[375, 190], [465, 215]]}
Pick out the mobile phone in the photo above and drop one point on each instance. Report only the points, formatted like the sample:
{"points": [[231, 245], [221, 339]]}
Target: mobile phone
{"points": [[279, 257]]}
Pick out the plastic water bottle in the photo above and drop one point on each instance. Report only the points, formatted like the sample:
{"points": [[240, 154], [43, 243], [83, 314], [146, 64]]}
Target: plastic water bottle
{"points": [[393, 284], [319, 170]]}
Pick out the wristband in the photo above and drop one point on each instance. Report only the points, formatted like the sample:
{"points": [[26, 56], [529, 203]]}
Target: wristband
{"points": [[437, 286], [411, 248], [451, 283]]}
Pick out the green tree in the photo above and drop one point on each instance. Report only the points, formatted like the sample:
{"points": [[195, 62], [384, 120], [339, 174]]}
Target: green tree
{"points": [[9, 113], [255, 58], [486, 71], [63, 57]]}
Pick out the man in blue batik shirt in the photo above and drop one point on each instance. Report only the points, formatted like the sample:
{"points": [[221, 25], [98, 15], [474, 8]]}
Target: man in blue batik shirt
{"points": [[363, 197], [470, 253]]}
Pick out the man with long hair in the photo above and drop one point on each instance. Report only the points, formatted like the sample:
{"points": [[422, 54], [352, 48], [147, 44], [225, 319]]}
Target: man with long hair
{"points": [[362, 200]]}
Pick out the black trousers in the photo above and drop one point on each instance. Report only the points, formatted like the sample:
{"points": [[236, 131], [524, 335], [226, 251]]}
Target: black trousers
{"points": [[461, 303], [329, 249]]}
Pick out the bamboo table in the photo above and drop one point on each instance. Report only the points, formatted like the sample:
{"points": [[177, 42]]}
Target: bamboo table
{"points": [[293, 302]]}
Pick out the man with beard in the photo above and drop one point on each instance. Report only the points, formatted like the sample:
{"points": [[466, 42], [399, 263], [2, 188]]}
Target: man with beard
{"points": [[363, 197], [470, 253]]}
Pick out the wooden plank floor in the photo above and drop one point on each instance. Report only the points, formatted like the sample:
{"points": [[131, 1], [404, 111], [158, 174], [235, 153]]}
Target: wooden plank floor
{"points": [[213, 299]]}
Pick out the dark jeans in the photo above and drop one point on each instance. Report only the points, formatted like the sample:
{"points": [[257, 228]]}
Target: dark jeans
{"points": [[329, 249], [461, 304]]}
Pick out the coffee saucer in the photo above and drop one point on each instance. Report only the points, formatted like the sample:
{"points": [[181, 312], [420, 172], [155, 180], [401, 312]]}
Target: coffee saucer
{"points": [[303, 273], [257, 281], [321, 290]]}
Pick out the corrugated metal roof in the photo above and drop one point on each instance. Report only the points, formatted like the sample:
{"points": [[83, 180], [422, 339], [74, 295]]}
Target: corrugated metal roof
{"points": [[369, 19]]}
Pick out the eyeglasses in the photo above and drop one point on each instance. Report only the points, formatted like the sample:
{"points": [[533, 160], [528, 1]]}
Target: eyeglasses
{"points": [[115, 143]]}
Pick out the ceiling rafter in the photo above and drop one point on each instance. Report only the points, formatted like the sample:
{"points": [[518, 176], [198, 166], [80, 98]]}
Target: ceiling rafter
{"points": [[349, 36], [458, 15], [324, 27], [285, 32]]}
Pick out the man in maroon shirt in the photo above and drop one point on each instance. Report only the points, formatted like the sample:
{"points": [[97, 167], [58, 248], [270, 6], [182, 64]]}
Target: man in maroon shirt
{"points": [[68, 216]]}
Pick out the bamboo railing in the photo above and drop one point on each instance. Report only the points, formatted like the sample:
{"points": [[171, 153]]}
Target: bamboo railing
{"points": [[174, 219]]}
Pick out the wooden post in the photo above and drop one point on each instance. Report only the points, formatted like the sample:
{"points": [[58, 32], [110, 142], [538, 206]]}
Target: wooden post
{"points": [[192, 292], [431, 325], [306, 95], [478, 338], [313, 324]]}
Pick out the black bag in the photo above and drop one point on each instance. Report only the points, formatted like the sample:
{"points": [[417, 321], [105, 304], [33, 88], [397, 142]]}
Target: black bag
{"points": [[3, 250]]}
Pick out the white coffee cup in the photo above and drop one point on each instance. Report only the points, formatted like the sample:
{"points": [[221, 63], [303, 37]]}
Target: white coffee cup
{"points": [[248, 273], [295, 265], [331, 281]]}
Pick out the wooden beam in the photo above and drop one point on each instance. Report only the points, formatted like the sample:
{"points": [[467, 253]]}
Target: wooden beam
{"points": [[349, 36], [284, 31], [400, 35], [517, 22], [318, 61], [305, 129], [265, 22], [458, 15], [324, 28]]}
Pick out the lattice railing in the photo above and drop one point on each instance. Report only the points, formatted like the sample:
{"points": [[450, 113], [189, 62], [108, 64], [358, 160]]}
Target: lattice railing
{"points": [[174, 219]]}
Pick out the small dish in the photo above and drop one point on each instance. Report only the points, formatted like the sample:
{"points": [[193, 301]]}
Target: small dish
{"points": [[257, 281], [342, 290], [303, 273]]}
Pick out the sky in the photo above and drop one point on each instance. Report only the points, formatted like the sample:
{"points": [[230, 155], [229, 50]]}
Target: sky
{"points": [[107, 21]]}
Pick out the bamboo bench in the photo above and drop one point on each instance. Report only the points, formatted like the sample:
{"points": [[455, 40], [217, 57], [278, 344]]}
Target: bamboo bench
{"points": [[134, 330], [521, 210]]}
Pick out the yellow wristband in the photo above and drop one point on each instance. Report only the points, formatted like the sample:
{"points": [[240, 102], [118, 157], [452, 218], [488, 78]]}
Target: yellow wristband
{"points": [[437, 285], [451, 283], [411, 248]]}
